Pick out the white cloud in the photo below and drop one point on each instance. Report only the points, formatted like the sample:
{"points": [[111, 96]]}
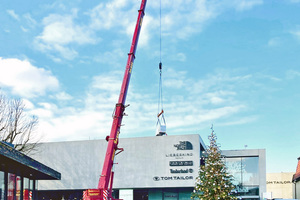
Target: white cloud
{"points": [[273, 42], [147, 29], [107, 82], [24, 29], [243, 120], [112, 58], [30, 21], [57, 27], [188, 116], [180, 57], [199, 101], [186, 17], [182, 19], [291, 74], [296, 34], [175, 79], [116, 13], [242, 5], [25, 79], [44, 111], [94, 118], [76, 125], [184, 109], [122, 14], [63, 96], [91, 120], [66, 52], [13, 14], [216, 100], [59, 32], [270, 77], [28, 104]]}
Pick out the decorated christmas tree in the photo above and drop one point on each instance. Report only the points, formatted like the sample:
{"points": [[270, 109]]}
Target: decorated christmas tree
{"points": [[213, 182]]}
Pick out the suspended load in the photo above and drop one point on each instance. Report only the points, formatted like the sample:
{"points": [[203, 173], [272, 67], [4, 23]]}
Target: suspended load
{"points": [[161, 128]]}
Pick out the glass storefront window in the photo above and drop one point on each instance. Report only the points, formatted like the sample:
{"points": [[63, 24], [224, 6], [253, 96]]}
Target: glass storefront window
{"points": [[185, 193], [170, 194], [234, 168], [11, 185], [26, 183], [28, 189], [245, 175], [2, 187], [250, 173], [140, 194], [18, 188], [31, 185]]}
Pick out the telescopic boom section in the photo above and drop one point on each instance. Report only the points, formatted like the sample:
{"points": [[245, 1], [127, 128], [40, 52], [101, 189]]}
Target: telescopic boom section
{"points": [[113, 139]]}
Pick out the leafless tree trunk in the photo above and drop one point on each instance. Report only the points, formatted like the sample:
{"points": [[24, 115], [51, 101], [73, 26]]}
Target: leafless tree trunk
{"points": [[16, 126], [3, 114]]}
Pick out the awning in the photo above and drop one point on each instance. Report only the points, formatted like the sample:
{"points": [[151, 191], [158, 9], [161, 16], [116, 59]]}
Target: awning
{"points": [[18, 163]]}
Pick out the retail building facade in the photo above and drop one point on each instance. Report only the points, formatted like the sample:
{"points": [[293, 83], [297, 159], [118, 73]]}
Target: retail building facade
{"points": [[296, 181], [280, 185], [154, 168], [19, 174]]}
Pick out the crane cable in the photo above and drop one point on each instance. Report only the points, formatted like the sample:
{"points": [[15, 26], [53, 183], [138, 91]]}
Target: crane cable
{"points": [[160, 33], [160, 96], [160, 112]]}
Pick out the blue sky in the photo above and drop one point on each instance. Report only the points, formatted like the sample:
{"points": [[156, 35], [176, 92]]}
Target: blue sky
{"points": [[231, 63]]}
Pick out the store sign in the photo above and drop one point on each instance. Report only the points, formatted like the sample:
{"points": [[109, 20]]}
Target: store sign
{"points": [[279, 182], [181, 163], [184, 145], [172, 178], [178, 154], [126, 194], [171, 196], [181, 171], [239, 190]]}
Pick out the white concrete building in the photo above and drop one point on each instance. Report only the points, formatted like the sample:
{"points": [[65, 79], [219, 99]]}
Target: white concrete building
{"points": [[153, 168]]}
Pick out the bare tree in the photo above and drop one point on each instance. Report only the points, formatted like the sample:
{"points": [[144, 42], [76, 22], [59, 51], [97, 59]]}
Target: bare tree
{"points": [[16, 127], [3, 114]]}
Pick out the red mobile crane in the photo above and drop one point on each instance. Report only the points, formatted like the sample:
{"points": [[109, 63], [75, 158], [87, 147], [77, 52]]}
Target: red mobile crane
{"points": [[104, 191]]}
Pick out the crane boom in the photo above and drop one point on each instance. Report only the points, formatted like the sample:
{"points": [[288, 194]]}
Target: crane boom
{"points": [[104, 190]]}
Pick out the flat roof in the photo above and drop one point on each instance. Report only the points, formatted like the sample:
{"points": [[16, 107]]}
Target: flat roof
{"points": [[16, 162]]}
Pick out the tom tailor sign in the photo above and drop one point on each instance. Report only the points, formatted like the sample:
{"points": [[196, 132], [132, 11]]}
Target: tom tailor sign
{"points": [[279, 182], [172, 178]]}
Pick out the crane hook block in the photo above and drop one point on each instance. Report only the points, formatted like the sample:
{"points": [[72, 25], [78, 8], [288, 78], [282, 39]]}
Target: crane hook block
{"points": [[160, 66]]}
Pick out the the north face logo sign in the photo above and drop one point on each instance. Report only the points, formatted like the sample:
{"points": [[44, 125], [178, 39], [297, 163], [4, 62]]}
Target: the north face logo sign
{"points": [[184, 145]]}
